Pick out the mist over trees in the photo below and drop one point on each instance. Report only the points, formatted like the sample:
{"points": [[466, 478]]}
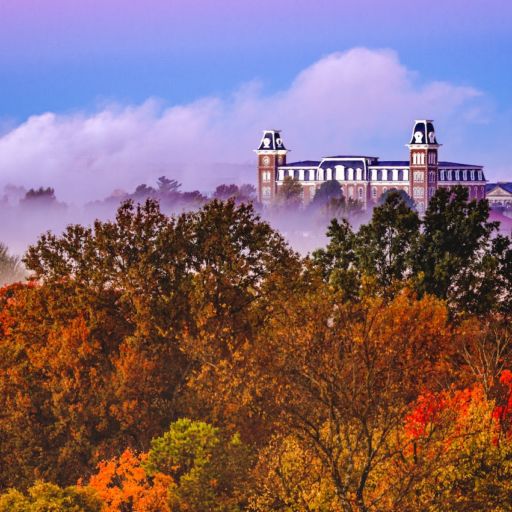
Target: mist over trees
{"points": [[195, 361]]}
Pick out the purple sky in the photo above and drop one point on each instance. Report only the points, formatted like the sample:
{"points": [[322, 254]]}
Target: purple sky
{"points": [[104, 94]]}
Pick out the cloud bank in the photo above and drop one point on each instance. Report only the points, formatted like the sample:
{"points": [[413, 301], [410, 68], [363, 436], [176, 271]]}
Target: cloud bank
{"points": [[359, 101]]}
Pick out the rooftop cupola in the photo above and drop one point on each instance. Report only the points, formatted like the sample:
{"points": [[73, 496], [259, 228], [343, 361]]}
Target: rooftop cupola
{"points": [[423, 133], [271, 141]]}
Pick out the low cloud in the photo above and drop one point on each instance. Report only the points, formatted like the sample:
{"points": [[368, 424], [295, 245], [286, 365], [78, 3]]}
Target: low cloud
{"points": [[360, 101]]}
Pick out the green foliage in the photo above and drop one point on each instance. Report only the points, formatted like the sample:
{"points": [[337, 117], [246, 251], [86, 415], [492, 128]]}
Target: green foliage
{"points": [[406, 198], [46, 497], [289, 193], [384, 246], [454, 252], [328, 190], [209, 469]]}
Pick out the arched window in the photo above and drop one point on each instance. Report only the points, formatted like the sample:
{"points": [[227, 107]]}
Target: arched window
{"points": [[384, 175], [360, 192], [359, 174], [350, 174], [320, 174], [340, 172], [351, 192], [374, 192], [450, 176], [329, 174], [312, 175], [441, 175]]}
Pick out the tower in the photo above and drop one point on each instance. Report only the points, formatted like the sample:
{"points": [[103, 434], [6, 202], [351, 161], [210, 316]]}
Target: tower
{"points": [[424, 166], [271, 154]]}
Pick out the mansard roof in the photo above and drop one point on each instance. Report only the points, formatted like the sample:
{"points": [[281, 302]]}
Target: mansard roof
{"points": [[271, 141], [454, 165], [423, 132], [391, 163], [303, 163]]}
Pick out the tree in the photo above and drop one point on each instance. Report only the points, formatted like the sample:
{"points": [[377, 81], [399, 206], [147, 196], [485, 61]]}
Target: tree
{"points": [[210, 470], [384, 246], [328, 190], [459, 258], [338, 262], [406, 198], [123, 484], [339, 378], [50, 497], [11, 268], [168, 187], [124, 329], [224, 192], [289, 193]]}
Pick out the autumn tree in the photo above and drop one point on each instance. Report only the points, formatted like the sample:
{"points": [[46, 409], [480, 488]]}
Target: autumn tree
{"points": [[103, 352], [339, 376], [45, 497], [123, 484]]}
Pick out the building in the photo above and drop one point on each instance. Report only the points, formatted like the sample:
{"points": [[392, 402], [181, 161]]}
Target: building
{"points": [[499, 194], [366, 178]]}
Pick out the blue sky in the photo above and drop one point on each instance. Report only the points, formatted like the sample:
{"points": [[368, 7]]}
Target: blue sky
{"points": [[76, 60]]}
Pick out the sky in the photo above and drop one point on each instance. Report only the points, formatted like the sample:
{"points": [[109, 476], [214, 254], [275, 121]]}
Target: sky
{"points": [[105, 94]]}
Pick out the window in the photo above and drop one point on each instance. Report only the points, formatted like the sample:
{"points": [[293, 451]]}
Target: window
{"points": [[418, 176], [457, 175], [351, 192], [301, 174], [472, 175], [450, 176], [374, 192], [359, 174], [350, 174], [266, 191], [311, 175], [360, 192], [465, 175], [442, 173], [418, 192]]}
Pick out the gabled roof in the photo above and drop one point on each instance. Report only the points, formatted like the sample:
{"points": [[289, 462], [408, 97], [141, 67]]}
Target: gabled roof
{"points": [[505, 186]]}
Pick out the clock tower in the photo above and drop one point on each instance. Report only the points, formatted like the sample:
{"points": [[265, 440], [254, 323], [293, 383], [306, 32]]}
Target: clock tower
{"points": [[424, 165], [271, 154]]}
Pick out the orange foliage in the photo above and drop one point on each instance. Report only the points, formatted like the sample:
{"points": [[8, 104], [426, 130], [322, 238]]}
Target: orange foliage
{"points": [[122, 484]]}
